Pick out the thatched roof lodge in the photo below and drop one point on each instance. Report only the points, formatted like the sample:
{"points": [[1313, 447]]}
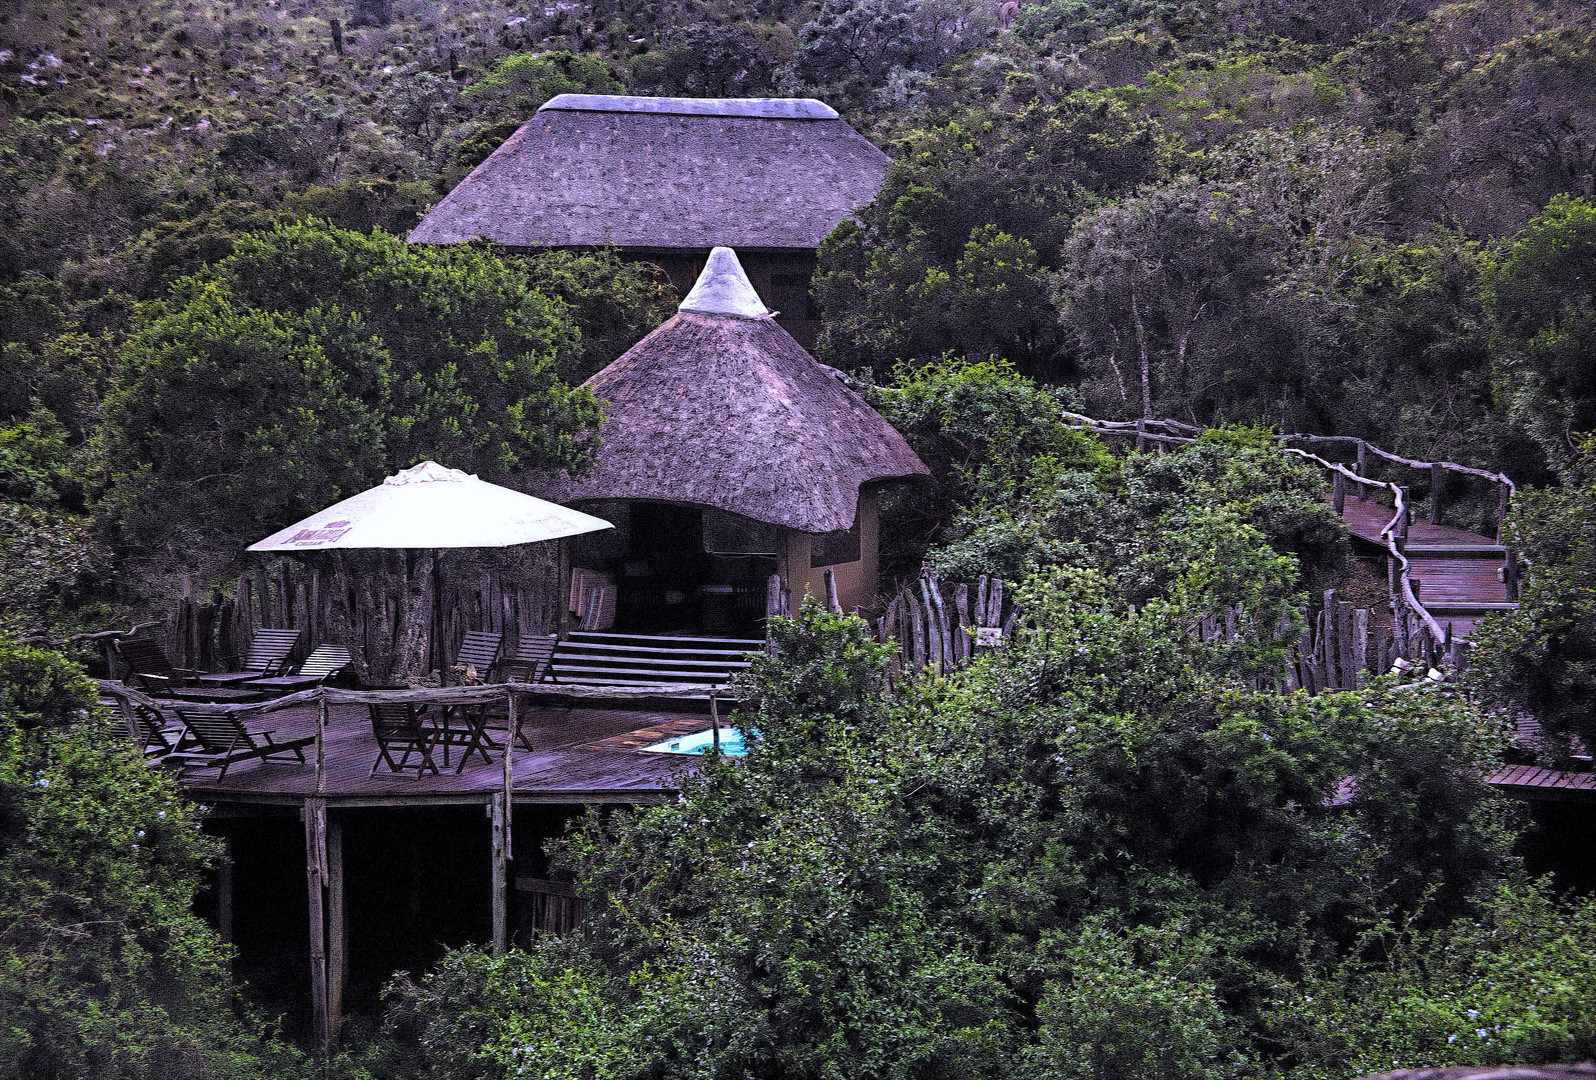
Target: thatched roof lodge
{"points": [[667, 179], [723, 438]]}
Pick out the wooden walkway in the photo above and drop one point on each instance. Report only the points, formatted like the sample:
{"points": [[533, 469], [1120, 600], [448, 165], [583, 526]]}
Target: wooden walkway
{"points": [[578, 755], [1457, 573]]}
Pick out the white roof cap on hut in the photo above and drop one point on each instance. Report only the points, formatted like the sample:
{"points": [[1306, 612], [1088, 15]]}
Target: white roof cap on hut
{"points": [[764, 108], [723, 289]]}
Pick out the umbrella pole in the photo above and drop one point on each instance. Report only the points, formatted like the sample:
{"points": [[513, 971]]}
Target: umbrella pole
{"points": [[563, 600], [436, 646]]}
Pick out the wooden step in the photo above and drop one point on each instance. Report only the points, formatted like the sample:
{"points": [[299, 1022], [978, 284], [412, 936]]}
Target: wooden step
{"points": [[649, 650], [647, 662], [622, 655], [650, 641], [1454, 580], [1467, 551], [600, 659], [1464, 607], [629, 675]]}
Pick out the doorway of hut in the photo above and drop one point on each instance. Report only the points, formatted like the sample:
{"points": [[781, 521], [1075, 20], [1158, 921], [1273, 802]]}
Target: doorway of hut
{"points": [[673, 570]]}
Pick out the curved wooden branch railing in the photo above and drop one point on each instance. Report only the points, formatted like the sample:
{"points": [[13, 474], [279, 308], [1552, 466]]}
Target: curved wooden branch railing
{"points": [[1365, 445], [45, 641], [1390, 535], [1393, 535]]}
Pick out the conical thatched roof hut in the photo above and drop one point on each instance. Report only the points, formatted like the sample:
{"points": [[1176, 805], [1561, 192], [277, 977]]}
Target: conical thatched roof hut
{"points": [[720, 409]]}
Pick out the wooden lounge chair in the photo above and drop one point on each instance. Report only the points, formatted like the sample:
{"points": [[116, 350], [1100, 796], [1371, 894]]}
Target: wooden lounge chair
{"points": [[400, 725], [148, 667], [323, 665], [531, 661], [219, 739], [268, 655], [480, 650], [146, 727]]}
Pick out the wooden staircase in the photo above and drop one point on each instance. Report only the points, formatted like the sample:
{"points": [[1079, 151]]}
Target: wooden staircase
{"points": [[594, 659], [1459, 583]]}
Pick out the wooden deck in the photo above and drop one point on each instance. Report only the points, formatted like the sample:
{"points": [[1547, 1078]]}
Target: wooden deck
{"points": [[578, 755], [1458, 572], [1534, 782]]}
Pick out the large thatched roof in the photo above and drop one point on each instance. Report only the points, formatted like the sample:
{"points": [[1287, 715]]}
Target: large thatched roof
{"points": [[723, 409], [662, 173]]}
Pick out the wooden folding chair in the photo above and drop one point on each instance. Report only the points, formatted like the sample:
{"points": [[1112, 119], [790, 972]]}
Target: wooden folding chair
{"points": [[480, 650], [532, 660], [400, 725], [471, 732], [220, 739]]}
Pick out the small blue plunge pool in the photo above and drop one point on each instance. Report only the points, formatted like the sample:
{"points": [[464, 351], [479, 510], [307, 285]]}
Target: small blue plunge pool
{"points": [[699, 742]]}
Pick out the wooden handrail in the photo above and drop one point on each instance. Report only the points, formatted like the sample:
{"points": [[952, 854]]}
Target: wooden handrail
{"points": [[1388, 534], [442, 695], [1171, 428], [1495, 478], [1139, 429], [94, 635]]}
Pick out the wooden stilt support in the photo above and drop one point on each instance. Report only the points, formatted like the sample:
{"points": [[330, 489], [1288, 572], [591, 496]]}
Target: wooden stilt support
{"points": [[501, 877], [315, 882], [321, 744], [1360, 647], [337, 927], [832, 603], [224, 892]]}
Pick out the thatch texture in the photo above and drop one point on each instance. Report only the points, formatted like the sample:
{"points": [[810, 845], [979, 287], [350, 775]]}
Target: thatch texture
{"points": [[647, 173], [730, 412]]}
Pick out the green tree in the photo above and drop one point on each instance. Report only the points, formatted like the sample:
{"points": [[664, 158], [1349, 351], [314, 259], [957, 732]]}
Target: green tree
{"points": [[1542, 300], [311, 361], [738, 59], [615, 302], [518, 85], [107, 971], [1098, 855], [988, 434], [956, 248], [1542, 657], [1160, 293]]}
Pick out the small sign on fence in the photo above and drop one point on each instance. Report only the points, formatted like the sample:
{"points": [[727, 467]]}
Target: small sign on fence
{"points": [[991, 636]]}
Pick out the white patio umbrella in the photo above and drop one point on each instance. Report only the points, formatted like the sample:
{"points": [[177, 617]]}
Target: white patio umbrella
{"points": [[431, 506]]}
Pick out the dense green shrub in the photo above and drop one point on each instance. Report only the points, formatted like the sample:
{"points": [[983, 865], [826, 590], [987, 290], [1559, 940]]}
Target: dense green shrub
{"points": [[106, 971], [313, 360], [1098, 855]]}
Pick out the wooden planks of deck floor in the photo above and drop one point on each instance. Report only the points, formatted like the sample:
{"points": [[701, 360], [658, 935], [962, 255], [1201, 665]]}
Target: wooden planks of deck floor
{"points": [[563, 764]]}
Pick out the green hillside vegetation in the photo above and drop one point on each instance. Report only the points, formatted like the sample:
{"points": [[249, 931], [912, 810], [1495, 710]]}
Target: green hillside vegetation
{"points": [[1102, 855]]}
